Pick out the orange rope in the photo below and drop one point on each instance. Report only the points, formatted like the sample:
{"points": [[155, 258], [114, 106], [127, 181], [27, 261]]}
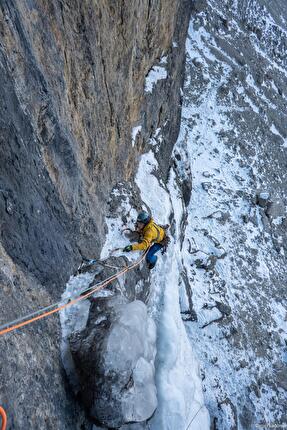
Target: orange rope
{"points": [[72, 302], [4, 418]]}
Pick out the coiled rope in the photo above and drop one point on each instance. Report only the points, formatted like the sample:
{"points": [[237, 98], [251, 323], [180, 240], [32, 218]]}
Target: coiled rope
{"points": [[56, 307], [4, 418]]}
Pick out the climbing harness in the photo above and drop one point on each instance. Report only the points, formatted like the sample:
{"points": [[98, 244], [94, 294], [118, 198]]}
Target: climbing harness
{"points": [[4, 418], [56, 307]]}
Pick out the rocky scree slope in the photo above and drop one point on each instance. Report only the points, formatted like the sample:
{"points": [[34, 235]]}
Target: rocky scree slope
{"points": [[233, 140], [72, 96]]}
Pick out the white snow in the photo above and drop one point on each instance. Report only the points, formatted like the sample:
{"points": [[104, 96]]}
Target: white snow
{"points": [[156, 139], [155, 74], [275, 131], [135, 131], [220, 184], [269, 60], [152, 192], [264, 195], [163, 60], [180, 396]]}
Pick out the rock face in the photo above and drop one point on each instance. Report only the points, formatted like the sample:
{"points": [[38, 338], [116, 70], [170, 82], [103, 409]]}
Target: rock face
{"points": [[86, 88], [109, 347], [72, 85], [114, 359], [234, 240], [33, 388], [73, 79]]}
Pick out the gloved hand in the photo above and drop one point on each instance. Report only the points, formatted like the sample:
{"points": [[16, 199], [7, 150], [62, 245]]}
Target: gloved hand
{"points": [[128, 248]]}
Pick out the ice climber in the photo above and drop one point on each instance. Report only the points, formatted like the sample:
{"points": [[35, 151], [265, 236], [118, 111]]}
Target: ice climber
{"points": [[150, 235]]}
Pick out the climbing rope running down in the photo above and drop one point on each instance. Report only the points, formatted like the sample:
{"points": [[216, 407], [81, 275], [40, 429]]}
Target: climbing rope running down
{"points": [[58, 306], [4, 418]]}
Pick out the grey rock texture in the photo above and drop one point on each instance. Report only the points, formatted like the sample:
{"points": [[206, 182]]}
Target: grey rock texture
{"points": [[72, 89], [34, 390], [114, 361], [263, 198], [234, 126], [72, 81], [109, 347]]}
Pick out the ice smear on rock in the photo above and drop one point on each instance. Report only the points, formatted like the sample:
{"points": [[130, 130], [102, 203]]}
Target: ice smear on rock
{"points": [[155, 74], [131, 345], [179, 388]]}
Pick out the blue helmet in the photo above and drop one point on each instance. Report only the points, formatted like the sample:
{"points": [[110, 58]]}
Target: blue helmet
{"points": [[143, 217]]}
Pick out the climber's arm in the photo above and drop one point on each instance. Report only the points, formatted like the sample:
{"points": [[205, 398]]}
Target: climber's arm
{"points": [[145, 243], [141, 246]]}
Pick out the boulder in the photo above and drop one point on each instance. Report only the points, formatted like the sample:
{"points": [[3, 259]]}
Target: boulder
{"points": [[262, 198], [114, 360], [275, 209]]}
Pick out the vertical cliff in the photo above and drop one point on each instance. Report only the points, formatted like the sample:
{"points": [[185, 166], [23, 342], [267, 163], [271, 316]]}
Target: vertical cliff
{"points": [[73, 89], [79, 103]]}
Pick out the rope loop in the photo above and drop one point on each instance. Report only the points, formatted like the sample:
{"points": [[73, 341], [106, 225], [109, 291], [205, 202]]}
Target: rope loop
{"points": [[4, 418], [48, 310]]}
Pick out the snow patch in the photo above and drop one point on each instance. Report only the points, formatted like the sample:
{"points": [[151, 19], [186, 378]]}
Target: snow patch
{"points": [[152, 192], [156, 73], [135, 131]]}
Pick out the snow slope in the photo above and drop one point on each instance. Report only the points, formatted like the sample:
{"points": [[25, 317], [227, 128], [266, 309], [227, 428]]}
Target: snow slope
{"points": [[233, 249]]}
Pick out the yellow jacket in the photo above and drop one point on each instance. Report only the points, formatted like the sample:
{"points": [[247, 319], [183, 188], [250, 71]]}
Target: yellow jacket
{"points": [[152, 233]]}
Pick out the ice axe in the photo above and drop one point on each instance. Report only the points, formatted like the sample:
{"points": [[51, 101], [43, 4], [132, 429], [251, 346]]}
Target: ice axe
{"points": [[115, 250]]}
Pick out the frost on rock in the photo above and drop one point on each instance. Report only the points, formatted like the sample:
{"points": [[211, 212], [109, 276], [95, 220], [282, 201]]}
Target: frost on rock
{"points": [[135, 131], [155, 74]]}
